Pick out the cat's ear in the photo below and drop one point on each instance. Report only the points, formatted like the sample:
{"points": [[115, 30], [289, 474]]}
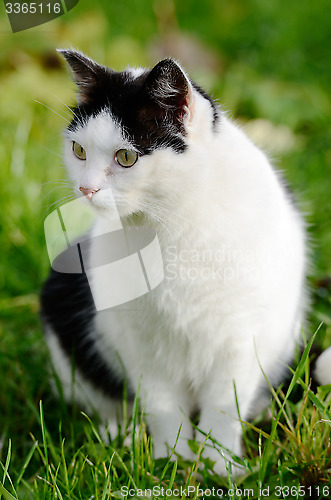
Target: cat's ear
{"points": [[86, 73], [169, 87]]}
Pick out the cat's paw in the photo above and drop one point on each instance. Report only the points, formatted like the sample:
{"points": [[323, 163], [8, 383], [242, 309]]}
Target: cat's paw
{"points": [[225, 467], [224, 464], [182, 449]]}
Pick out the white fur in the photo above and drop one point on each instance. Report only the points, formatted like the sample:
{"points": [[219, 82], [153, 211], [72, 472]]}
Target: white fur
{"points": [[135, 72], [232, 301], [323, 367]]}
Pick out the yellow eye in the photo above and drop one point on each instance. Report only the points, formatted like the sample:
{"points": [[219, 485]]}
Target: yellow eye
{"points": [[126, 158], [78, 150]]}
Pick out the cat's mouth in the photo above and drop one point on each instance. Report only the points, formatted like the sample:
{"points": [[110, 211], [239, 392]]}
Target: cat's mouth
{"points": [[100, 199], [94, 199], [89, 193]]}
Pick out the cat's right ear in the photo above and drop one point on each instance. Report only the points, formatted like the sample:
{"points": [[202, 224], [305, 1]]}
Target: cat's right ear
{"points": [[170, 89], [86, 73]]}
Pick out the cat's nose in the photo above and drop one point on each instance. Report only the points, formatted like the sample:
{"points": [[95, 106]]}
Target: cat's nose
{"points": [[88, 192]]}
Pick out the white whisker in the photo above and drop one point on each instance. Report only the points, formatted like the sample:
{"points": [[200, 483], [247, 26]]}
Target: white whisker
{"points": [[55, 112], [64, 104], [59, 186], [56, 204]]}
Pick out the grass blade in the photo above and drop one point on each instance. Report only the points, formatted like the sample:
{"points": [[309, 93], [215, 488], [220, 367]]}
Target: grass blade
{"points": [[6, 494], [6, 467], [26, 463]]}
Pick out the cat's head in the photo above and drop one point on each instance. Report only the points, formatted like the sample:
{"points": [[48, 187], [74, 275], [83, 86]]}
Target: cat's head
{"points": [[135, 132]]}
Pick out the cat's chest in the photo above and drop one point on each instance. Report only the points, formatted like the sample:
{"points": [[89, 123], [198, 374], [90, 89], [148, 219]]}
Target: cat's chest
{"points": [[173, 287], [180, 320]]}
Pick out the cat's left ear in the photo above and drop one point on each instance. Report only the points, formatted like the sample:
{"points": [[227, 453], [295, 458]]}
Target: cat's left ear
{"points": [[170, 88], [87, 74]]}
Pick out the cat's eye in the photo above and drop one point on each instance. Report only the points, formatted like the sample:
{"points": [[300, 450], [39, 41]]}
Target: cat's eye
{"points": [[126, 158], [78, 150]]}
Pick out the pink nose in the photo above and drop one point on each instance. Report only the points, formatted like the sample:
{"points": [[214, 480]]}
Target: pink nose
{"points": [[88, 192]]}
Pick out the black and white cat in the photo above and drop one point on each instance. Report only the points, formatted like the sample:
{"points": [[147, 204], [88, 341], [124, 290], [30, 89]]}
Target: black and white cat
{"points": [[232, 300]]}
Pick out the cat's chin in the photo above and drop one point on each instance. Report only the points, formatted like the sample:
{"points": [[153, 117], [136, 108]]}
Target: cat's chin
{"points": [[101, 201], [107, 209]]}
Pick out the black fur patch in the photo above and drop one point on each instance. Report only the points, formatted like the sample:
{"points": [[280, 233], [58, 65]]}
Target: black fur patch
{"points": [[67, 306], [149, 108], [145, 126]]}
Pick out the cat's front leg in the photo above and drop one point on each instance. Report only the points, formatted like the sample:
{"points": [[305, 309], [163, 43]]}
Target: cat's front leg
{"points": [[167, 411], [230, 386], [225, 429]]}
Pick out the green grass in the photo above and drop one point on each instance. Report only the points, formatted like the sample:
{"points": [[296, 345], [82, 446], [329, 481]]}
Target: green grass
{"points": [[262, 61], [65, 457]]}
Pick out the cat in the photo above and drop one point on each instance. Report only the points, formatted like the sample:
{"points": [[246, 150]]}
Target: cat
{"points": [[231, 305]]}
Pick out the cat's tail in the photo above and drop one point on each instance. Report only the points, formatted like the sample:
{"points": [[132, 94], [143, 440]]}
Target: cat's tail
{"points": [[322, 372]]}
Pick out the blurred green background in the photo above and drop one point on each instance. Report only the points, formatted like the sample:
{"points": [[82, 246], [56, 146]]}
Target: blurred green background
{"points": [[268, 63]]}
